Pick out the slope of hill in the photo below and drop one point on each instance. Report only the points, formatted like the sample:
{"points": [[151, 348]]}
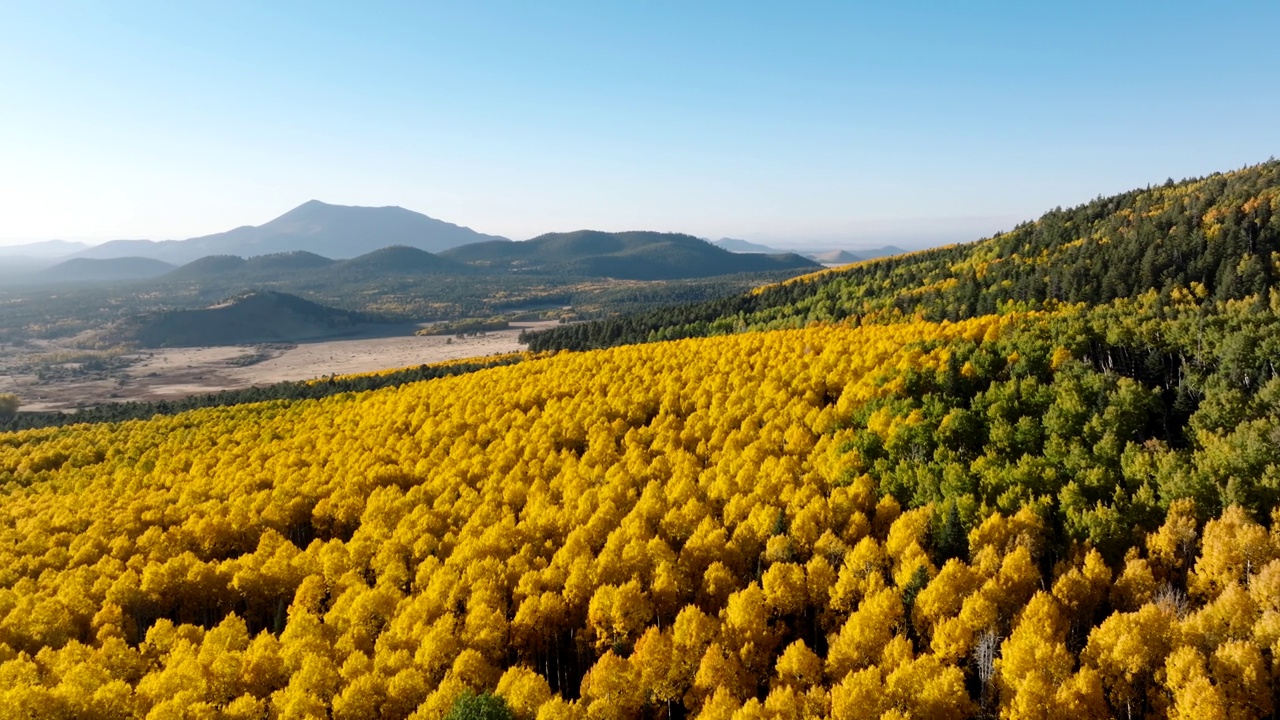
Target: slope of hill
{"points": [[1056, 509], [934, 520], [82, 270], [400, 260], [273, 266], [334, 231], [1213, 237], [625, 255], [255, 317]]}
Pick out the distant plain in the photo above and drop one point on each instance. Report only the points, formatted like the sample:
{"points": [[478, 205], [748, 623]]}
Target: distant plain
{"points": [[173, 373]]}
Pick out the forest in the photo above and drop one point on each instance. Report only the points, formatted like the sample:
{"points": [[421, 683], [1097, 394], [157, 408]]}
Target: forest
{"points": [[882, 492]]}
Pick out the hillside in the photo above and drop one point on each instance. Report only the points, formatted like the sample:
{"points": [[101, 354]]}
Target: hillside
{"points": [[894, 504], [84, 270], [254, 317], [333, 231], [942, 520], [400, 260], [275, 266], [1213, 237], [626, 255]]}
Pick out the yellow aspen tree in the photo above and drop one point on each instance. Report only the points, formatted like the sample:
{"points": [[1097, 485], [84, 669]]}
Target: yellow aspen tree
{"points": [[746, 630], [557, 708], [720, 670], [1240, 673], [654, 661], [785, 588], [1232, 615], [1173, 547], [1194, 695], [860, 695], [1136, 584], [611, 689], [925, 687], [722, 705], [944, 596], [1234, 548], [1083, 588], [798, 667], [524, 690], [865, 634], [1127, 648]]}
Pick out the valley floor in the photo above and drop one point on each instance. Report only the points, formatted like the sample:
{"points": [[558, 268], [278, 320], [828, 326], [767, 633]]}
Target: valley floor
{"points": [[173, 373]]}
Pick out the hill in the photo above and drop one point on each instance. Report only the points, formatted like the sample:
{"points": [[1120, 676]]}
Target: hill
{"points": [[914, 519], [1212, 237], [333, 231], [85, 270], [625, 255], [1056, 508], [399, 260], [255, 317], [275, 266]]}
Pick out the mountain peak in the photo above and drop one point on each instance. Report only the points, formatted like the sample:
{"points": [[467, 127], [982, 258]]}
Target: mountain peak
{"points": [[333, 231]]}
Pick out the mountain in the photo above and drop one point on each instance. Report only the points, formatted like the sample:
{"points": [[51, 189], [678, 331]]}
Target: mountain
{"points": [[254, 317], [43, 249], [334, 231], [273, 266], [80, 270], [745, 246], [626, 255]]}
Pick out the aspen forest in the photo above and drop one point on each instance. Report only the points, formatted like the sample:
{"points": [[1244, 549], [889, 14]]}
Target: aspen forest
{"points": [[1035, 476]]}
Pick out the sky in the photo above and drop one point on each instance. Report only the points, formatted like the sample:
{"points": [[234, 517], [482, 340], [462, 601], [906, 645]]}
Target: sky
{"points": [[844, 123]]}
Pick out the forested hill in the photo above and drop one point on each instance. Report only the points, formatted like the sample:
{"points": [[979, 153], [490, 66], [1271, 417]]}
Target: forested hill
{"points": [[625, 255], [1069, 512], [1216, 237]]}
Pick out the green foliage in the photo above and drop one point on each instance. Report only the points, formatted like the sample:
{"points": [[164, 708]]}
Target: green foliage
{"points": [[9, 404], [484, 706]]}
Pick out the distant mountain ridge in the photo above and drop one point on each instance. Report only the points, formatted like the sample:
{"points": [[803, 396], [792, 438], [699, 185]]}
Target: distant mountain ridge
{"points": [[829, 256], [635, 255], [43, 249], [745, 246], [332, 231]]}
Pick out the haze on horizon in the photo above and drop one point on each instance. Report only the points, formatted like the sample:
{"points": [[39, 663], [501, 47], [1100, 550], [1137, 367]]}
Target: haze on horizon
{"points": [[911, 125]]}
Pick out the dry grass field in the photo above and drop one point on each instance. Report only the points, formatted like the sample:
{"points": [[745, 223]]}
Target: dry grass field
{"points": [[179, 372]]}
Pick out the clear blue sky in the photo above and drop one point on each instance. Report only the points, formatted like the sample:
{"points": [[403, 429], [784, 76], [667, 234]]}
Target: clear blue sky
{"points": [[839, 121]]}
